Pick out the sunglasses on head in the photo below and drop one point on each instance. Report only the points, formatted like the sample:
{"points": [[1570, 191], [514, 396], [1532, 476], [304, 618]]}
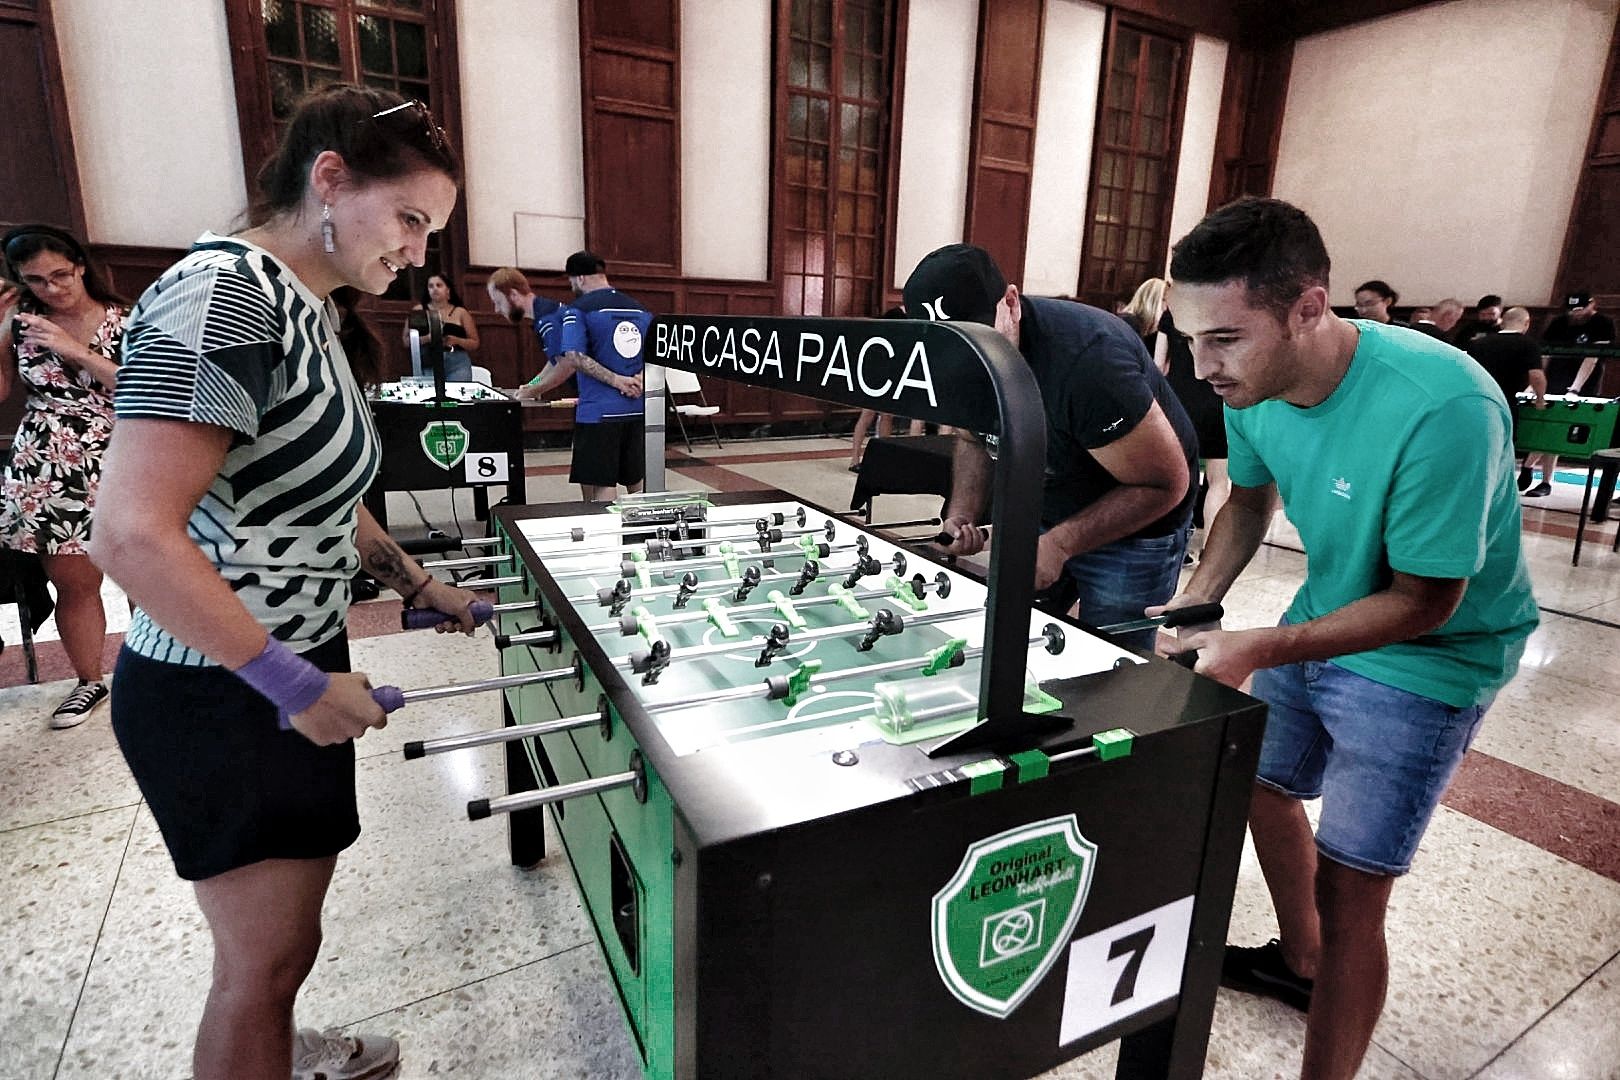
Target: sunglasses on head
{"points": [[403, 116]]}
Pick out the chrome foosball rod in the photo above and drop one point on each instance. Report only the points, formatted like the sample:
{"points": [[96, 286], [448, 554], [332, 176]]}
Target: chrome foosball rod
{"points": [[790, 687], [754, 521], [600, 719], [634, 778]]}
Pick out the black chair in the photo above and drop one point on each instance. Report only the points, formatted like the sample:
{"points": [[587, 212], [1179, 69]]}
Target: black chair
{"points": [[22, 582]]}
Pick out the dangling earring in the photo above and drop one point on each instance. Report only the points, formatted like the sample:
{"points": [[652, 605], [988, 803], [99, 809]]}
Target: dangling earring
{"points": [[328, 230]]}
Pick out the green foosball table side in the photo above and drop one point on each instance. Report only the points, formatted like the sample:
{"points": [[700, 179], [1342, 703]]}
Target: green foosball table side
{"points": [[619, 845], [1571, 428]]}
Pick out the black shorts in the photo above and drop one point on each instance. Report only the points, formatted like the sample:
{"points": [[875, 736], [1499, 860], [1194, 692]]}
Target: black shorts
{"points": [[609, 453], [227, 786]]}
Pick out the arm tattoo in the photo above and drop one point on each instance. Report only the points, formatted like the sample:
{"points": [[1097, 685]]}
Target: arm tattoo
{"points": [[386, 562], [595, 370]]}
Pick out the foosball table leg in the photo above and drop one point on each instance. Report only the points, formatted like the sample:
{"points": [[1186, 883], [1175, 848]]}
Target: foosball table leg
{"points": [[525, 829]]}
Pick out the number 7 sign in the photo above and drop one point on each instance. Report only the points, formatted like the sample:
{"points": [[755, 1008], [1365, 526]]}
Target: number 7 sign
{"points": [[1124, 969]]}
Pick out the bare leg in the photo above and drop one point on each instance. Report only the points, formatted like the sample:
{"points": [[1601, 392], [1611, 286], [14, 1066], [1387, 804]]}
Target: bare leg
{"points": [[863, 424], [79, 614], [885, 425], [266, 923], [635, 489], [598, 494], [1287, 850], [1354, 971], [918, 427]]}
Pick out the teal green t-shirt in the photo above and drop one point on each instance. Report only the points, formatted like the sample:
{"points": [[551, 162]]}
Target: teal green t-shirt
{"points": [[1408, 465]]}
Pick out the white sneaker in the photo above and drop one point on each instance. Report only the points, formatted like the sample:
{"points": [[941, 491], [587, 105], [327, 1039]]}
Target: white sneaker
{"points": [[331, 1055]]}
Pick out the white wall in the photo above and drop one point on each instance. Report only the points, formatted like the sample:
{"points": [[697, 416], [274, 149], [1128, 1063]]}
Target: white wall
{"points": [[936, 123], [1071, 69], [1439, 148], [521, 130], [725, 139], [1205, 76], [153, 115]]}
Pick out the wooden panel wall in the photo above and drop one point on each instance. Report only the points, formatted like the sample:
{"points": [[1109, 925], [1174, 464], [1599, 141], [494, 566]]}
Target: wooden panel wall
{"points": [[39, 176], [631, 79], [1252, 99], [1589, 260], [1005, 95]]}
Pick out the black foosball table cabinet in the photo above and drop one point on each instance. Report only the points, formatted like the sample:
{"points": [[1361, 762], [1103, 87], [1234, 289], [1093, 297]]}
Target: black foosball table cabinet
{"points": [[838, 810]]}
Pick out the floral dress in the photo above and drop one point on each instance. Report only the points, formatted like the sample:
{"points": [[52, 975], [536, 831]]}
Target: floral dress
{"points": [[50, 485]]}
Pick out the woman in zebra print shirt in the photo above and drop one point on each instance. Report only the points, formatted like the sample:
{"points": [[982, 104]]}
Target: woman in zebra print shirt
{"points": [[231, 516]]}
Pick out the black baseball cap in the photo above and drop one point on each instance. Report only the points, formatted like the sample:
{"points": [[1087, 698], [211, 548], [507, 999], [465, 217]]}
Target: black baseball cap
{"points": [[1579, 298], [584, 264], [955, 283]]}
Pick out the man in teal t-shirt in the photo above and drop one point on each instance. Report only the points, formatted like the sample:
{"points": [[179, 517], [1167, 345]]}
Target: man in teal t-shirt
{"points": [[1393, 456]]}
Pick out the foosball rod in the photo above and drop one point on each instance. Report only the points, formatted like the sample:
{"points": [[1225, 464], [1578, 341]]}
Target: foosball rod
{"points": [[605, 597], [392, 698], [776, 687], [823, 633], [829, 531], [919, 589], [465, 564], [578, 535], [414, 750], [634, 778], [628, 567]]}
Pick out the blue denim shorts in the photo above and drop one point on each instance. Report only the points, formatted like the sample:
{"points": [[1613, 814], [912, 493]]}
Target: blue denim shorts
{"points": [[1379, 758], [1116, 581]]}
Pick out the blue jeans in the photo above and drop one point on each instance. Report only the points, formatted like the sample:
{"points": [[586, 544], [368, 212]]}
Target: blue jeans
{"points": [[1380, 758], [1116, 581]]}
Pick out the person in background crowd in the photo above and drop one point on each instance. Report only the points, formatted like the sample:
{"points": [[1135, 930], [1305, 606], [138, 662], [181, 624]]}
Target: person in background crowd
{"points": [[509, 292], [1391, 454], [231, 515], [1487, 319], [1512, 359], [1373, 301], [1142, 311], [1120, 450], [1440, 320], [1581, 324], [460, 331], [604, 335], [59, 337]]}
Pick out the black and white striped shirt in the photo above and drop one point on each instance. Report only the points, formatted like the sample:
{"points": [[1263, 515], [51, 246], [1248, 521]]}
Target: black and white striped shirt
{"points": [[228, 336]]}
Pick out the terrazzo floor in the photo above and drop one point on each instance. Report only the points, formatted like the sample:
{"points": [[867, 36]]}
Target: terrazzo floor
{"points": [[1504, 940]]}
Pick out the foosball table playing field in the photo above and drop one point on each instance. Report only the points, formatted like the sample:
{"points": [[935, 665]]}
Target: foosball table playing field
{"points": [[813, 840]]}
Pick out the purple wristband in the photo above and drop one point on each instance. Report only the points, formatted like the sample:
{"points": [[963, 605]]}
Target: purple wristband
{"points": [[290, 682]]}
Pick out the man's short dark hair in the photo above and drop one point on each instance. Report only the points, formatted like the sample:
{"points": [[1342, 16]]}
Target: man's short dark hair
{"points": [[1488, 300], [1273, 247], [1379, 288], [584, 264]]}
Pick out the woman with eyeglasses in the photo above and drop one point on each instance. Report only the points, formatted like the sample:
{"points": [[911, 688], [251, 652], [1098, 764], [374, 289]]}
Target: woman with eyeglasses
{"points": [[231, 515], [59, 337]]}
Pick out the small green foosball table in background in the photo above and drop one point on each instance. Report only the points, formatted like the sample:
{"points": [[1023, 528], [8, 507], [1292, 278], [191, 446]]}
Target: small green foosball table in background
{"points": [[783, 882], [1571, 427]]}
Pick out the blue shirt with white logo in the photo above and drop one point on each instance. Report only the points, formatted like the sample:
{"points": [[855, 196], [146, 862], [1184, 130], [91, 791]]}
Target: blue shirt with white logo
{"points": [[611, 328]]}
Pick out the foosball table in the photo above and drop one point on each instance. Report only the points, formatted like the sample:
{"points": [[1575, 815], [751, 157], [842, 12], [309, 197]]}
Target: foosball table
{"points": [[836, 809]]}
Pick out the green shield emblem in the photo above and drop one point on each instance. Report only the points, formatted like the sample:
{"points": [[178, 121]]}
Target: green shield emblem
{"points": [[1003, 919], [445, 442]]}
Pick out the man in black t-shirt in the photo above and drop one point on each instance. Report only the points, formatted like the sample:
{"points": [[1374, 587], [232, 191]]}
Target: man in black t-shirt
{"points": [[1513, 360], [1120, 450], [1580, 325]]}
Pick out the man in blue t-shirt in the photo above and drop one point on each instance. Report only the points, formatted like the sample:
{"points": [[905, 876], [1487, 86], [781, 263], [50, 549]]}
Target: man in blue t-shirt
{"points": [[603, 340], [1120, 451], [1392, 455], [514, 300]]}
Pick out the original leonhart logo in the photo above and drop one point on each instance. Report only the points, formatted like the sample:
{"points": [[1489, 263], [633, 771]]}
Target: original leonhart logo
{"points": [[1003, 919]]}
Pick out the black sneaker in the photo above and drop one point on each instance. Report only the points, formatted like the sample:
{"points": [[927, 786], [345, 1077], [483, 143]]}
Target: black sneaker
{"points": [[1539, 490], [1262, 970], [1526, 478], [76, 708]]}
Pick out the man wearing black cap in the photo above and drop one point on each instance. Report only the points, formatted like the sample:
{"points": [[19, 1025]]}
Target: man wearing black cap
{"points": [[603, 335], [1120, 450], [1579, 325]]}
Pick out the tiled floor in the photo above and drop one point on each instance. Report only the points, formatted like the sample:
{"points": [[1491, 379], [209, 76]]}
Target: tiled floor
{"points": [[1504, 941]]}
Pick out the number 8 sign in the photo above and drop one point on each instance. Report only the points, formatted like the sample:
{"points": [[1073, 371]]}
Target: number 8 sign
{"points": [[1124, 969]]}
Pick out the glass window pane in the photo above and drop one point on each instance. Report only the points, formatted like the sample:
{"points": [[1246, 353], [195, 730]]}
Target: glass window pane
{"points": [[408, 5], [417, 91], [798, 64], [286, 83], [315, 77], [376, 47], [320, 35], [281, 29], [410, 43], [820, 67], [821, 21], [801, 18], [819, 109]]}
